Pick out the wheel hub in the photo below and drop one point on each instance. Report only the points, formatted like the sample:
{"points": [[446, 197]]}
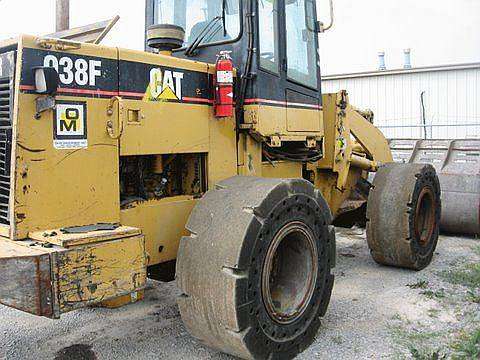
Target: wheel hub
{"points": [[290, 273], [425, 216]]}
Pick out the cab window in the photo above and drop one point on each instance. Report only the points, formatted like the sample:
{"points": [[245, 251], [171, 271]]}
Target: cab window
{"points": [[268, 34], [201, 18], [301, 44]]}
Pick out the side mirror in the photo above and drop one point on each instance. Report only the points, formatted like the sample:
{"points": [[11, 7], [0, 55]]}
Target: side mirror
{"points": [[320, 26], [46, 80]]}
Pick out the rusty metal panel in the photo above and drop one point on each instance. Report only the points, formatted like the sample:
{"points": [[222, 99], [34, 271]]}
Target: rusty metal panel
{"points": [[49, 281], [25, 282], [87, 275]]}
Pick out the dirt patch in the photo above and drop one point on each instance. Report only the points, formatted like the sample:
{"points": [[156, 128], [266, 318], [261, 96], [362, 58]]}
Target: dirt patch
{"points": [[76, 352], [375, 312], [452, 328]]}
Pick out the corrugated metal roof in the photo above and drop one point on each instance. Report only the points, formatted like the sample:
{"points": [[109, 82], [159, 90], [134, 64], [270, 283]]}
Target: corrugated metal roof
{"points": [[424, 69]]}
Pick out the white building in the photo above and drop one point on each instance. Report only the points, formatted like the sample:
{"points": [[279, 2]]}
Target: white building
{"points": [[427, 102]]}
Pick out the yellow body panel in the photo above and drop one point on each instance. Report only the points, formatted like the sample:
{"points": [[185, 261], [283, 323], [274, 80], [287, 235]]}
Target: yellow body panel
{"points": [[4, 231], [57, 188], [250, 156], [163, 224], [166, 128], [60, 188], [282, 169], [305, 121], [268, 121], [222, 156]]}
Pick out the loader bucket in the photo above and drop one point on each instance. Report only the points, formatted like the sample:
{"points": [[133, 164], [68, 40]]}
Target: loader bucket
{"points": [[457, 163]]}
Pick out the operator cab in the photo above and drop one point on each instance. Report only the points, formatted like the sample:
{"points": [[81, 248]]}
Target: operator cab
{"points": [[279, 57]]}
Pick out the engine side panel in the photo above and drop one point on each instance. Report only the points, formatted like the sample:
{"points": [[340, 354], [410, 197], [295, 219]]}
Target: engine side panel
{"points": [[66, 165]]}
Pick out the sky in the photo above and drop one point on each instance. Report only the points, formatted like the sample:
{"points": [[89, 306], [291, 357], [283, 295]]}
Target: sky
{"points": [[438, 31]]}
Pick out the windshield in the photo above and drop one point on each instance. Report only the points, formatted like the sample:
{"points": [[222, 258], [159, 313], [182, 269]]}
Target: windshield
{"points": [[195, 15]]}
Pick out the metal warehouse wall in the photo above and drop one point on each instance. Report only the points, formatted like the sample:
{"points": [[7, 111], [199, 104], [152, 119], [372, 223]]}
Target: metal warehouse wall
{"points": [[451, 100]]}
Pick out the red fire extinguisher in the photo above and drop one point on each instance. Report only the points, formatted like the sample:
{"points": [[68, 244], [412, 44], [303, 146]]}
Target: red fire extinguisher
{"points": [[224, 85]]}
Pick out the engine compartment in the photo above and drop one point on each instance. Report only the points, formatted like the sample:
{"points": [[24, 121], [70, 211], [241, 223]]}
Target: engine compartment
{"points": [[153, 177]]}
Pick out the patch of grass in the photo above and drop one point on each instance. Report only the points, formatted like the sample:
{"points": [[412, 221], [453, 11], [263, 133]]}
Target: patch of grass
{"points": [[467, 346], [410, 336], [337, 339], [433, 313], [476, 250], [420, 284], [427, 354], [467, 275], [434, 294], [473, 296], [417, 342], [456, 340]]}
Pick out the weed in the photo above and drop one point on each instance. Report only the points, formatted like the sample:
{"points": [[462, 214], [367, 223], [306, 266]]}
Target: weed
{"points": [[473, 296], [337, 339], [468, 275], [420, 284], [467, 346], [433, 313], [437, 294], [427, 354], [413, 335], [418, 341], [476, 250]]}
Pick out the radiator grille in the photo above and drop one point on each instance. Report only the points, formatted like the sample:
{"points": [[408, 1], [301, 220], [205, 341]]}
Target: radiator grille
{"points": [[6, 100]]}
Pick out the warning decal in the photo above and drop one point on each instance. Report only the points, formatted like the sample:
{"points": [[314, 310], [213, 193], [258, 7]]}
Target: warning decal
{"points": [[70, 125]]}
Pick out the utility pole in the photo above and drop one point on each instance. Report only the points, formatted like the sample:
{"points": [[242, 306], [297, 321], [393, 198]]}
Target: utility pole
{"points": [[63, 15]]}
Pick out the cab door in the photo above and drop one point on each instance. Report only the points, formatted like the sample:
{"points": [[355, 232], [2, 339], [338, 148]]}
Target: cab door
{"points": [[300, 66], [269, 88]]}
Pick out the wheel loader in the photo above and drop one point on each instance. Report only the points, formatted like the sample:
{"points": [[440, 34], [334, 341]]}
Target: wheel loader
{"points": [[211, 158]]}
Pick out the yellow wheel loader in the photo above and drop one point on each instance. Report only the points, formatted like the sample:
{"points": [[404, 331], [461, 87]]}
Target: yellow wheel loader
{"points": [[212, 158]]}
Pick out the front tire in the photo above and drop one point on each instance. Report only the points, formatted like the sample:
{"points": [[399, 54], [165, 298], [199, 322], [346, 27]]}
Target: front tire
{"points": [[256, 270], [403, 215]]}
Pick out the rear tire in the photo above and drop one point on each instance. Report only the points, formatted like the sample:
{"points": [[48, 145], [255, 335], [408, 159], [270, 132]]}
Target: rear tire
{"points": [[403, 215], [240, 295]]}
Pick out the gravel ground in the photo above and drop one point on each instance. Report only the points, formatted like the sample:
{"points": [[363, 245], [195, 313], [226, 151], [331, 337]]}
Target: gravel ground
{"points": [[375, 312]]}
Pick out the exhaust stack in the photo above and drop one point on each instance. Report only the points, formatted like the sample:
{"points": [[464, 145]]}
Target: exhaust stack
{"points": [[62, 21], [408, 62], [381, 61]]}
